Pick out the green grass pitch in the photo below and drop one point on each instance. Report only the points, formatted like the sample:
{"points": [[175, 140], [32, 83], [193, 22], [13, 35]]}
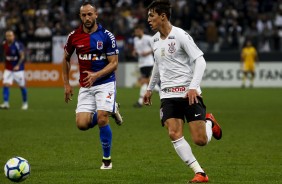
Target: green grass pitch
{"points": [[249, 152]]}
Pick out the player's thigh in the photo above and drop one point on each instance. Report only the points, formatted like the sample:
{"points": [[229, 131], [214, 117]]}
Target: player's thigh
{"points": [[196, 111], [247, 67], [83, 118], [198, 131], [19, 78], [196, 115], [171, 108], [8, 77], [105, 97]]}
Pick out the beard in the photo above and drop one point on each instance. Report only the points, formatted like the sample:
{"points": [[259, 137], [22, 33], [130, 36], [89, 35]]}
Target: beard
{"points": [[89, 25]]}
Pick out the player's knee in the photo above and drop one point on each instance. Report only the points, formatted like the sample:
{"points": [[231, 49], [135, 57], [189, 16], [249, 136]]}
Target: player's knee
{"points": [[174, 135], [82, 126], [201, 140], [82, 123], [103, 119]]}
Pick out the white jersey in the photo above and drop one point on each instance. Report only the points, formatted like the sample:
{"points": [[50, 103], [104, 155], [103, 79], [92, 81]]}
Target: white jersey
{"points": [[174, 63], [142, 45]]}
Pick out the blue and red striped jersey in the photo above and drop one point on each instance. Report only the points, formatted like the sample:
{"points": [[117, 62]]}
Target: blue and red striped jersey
{"points": [[92, 51], [12, 54]]}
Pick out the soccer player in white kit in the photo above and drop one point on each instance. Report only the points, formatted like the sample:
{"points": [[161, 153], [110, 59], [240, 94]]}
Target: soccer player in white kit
{"points": [[144, 52], [179, 66]]}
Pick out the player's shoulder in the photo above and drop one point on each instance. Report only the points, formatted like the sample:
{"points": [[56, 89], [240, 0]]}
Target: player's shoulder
{"points": [[180, 33], [75, 32], [146, 36], [19, 45], [155, 38]]}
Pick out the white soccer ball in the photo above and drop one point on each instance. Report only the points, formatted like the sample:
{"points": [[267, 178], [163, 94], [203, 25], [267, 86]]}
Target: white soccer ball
{"points": [[17, 169]]}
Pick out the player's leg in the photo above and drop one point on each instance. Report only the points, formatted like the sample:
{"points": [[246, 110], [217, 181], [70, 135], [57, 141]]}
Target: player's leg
{"points": [[252, 73], [20, 80], [106, 105], [201, 133], [7, 82], [105, 138], [245, 74], [144, 80], [86, 114], [173, 119]]}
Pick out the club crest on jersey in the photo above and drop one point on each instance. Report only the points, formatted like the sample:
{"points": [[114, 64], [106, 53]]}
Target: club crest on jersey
{"points": [[99, 45], [171, 48]]}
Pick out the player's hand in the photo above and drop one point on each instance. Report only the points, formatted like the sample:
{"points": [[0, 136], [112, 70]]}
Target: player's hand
{"points": [[147, 98], [68, 93], [16, 68], [89, 79], [192, 96]]}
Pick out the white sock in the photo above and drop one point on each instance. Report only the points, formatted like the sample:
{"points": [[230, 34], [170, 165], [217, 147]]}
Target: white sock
{"points": [[209, 129], [195, 166], [184, 151], [143, 90]]}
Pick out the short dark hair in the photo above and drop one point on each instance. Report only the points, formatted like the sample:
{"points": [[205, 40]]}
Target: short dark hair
{"points": [[88, 2], [161, 6]]}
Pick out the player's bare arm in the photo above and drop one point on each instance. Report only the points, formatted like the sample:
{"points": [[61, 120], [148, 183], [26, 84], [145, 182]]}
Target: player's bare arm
{"points": [[21, 60], [93, 76], [66, 71]]}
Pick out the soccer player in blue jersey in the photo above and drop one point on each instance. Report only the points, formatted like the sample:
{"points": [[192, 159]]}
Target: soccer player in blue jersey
{"points": [[14, 69], [98, 59]]}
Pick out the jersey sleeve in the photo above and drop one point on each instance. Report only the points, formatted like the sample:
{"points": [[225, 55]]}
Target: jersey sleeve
{"points": [[111, 44], [148, 41], [188, 44], [69, 47], [19, 47]]}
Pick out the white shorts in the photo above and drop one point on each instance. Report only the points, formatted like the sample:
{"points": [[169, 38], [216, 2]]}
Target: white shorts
{"points": [[17, 76], [100, 97]]}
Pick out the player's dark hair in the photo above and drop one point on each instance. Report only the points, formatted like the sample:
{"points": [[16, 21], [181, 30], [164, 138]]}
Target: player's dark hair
{"points": [[88, 2], [161, 6]]}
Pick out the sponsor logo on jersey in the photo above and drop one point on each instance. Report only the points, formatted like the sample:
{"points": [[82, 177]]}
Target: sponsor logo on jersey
{"points": [[156, 39], [178, 89], [11, 58], [91, 57], [171, 37], [171, 48], [99, 45], [112, 37]]}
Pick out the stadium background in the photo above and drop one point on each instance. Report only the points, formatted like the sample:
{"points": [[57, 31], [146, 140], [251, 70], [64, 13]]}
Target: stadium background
{"points": [[219, 28], [46, 135]]}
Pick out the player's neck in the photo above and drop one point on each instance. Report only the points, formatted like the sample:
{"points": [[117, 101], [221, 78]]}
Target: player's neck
{"points": [[91, 30], [165, 30]]}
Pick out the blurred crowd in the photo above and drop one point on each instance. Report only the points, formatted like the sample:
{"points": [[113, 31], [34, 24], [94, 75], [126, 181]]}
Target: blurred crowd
{"points": [[215, 25]]}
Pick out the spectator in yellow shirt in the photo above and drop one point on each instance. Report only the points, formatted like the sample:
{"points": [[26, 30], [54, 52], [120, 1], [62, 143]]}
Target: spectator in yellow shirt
{"points": [[249, 57]]}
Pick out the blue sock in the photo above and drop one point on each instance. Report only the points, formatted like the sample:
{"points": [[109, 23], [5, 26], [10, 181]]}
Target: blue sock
{"points": [[94, 120], [24, 94], [106, 140], [6, 93]]}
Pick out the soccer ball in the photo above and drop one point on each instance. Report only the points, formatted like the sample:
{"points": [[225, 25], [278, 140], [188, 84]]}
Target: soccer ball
{"points": [[17, 169]]}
